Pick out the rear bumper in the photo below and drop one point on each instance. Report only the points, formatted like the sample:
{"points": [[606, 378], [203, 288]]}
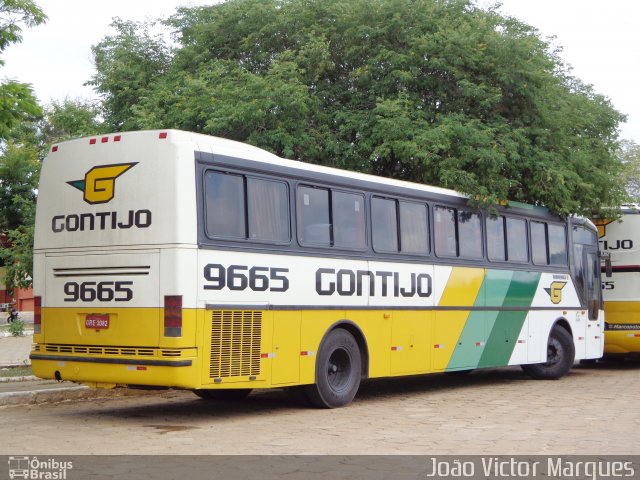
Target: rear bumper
{"points": [[116, 361], [161, 372]]}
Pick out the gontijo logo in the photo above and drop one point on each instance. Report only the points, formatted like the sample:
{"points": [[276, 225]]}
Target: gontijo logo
{"points": [[555, 291], [100, 182]]}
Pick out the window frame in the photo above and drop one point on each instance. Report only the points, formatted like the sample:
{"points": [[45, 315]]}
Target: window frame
{"points": [[548, 245], [458, 256], [397, 201], [247, 216], [505, 230], [331, 245]]}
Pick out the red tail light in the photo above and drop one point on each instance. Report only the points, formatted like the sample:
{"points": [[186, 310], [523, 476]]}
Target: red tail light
{"points": [[37, 314], [173, 315]]}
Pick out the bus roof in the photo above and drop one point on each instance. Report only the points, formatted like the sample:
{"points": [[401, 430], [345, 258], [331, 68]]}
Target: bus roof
{"points": [[232, 148]]}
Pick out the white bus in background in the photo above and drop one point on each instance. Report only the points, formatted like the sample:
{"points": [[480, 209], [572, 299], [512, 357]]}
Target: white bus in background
{"points": [[621, 287]]}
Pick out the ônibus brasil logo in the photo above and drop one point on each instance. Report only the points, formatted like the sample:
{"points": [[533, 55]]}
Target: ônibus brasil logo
{"points": [[31, 467], [99, 183]]}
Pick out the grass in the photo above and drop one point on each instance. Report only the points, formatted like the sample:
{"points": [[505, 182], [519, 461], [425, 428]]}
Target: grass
{"points": [[4, 326], [21, 371]]}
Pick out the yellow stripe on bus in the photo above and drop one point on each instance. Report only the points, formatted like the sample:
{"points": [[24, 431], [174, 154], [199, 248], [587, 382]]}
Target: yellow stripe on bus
{"points": [[461, 291]]}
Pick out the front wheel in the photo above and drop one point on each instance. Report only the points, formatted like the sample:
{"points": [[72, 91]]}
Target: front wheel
{"points": [[338, 371], [560, 355]]}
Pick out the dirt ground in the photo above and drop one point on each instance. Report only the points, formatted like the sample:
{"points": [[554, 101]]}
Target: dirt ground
{"points": [[594, 410]]}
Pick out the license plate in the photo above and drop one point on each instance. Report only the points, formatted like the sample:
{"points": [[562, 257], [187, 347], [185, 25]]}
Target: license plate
{"points": [[96, 321]]}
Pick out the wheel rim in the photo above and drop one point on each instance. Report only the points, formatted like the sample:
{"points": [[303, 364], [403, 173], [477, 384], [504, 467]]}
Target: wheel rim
{"points": [[339, 370], [554, 352]]}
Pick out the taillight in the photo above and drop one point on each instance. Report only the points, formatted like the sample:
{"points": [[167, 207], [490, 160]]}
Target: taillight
{"points": [[173, 315], [37, 314]]}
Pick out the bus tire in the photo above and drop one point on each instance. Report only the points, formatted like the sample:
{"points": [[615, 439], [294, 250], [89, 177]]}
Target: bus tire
{"points": [[223, 395], [560, 356], [338, 371]]}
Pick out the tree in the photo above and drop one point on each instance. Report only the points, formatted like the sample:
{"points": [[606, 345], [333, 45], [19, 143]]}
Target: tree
{"points": [[18, 173], [629, 154], [20, 162], [64, 121], [16, 99], [19, 169], [126, 65], [434, 91]]}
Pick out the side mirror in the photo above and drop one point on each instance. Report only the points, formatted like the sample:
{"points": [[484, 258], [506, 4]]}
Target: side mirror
{"points": [[606, 257]]}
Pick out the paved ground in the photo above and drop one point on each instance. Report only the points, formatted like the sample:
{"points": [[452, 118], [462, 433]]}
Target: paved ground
{"points": [[15, 350], [594, 410]]}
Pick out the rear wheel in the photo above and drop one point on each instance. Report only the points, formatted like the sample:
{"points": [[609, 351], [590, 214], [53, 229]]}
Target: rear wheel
{"points": [[338, 371], [223, 395], [560, 356]]}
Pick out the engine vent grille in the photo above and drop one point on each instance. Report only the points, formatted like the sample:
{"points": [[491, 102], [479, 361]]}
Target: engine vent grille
{"points": [[96, 350], [235, 343]]}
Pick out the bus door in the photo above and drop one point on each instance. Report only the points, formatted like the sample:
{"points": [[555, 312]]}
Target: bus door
{"points": [[593, 296]]}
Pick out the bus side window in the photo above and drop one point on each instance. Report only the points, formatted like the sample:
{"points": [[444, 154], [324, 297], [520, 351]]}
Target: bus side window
{"points": [[313, 216], [557, 244], [517, 240], [469, 234], [445, 231], [268, 203], [348, 220], [384, 222], [496, 238], [225, 205], [414, 230], [539, 243]]}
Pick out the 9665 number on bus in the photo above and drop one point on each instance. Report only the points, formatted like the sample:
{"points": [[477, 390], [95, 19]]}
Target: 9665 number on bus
{"points": [[241, 277], [100, 291]]}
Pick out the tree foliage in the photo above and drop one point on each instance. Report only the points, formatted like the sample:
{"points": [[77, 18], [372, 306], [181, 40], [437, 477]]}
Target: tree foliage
{"points": [[13, 15], [20, 163], [16, 99], [19, 169], [629, 154], [127, 64], [434, 91]]}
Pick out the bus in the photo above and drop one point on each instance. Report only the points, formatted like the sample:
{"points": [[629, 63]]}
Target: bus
{"points": [[174, 259], [620, 239]]}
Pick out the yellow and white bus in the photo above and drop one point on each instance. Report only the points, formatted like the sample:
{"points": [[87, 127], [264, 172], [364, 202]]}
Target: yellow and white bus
{"points": [[172, 259], [621, 289]]}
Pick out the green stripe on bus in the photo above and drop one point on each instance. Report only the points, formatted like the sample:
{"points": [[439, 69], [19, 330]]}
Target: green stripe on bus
{"points": [[508, 324], [472, 341]]}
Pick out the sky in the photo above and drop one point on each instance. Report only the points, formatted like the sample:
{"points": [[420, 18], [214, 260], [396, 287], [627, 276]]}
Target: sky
{"points": [[600, 40]]}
